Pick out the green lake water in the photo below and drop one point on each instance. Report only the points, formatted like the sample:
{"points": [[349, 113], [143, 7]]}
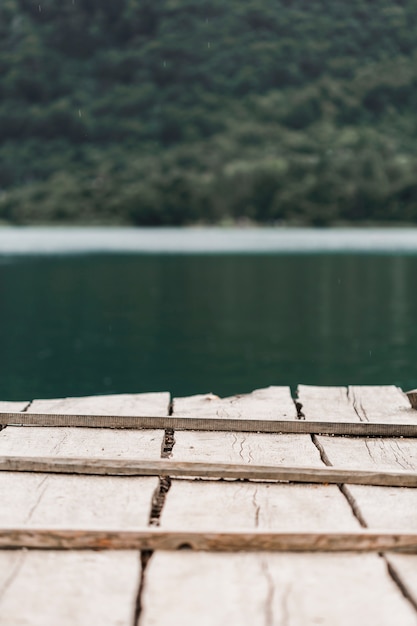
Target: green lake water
{"points": [[226, 323]]}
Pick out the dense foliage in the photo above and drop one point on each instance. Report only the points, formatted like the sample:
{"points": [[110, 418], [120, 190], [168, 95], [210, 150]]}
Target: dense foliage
{"points": [[178, 111]]}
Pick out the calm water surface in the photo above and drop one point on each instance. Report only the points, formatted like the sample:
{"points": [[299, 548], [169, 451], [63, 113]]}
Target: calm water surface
{"points": [[108, 323]]}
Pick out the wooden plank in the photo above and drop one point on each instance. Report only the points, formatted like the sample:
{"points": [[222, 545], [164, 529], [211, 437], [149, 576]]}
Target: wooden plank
{"points": [[227, 505], [319, 403], [386, 404], [358, 429], [208, 540], [246, 505], [120, 404], [376, 506], [271, 403], [47, 588], [190, 588], [60, 500], [382, 403], [135, 467], [264, 581], [263, 507], [101, 443], [13, 406]]}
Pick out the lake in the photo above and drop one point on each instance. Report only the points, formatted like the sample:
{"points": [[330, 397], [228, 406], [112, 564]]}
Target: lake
{"points": [[92, 311]]}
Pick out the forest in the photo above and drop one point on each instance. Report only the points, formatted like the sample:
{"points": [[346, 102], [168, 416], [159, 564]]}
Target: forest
{"points": [[175, 112]]}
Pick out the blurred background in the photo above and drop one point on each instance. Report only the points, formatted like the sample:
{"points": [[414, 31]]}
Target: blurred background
{"points": [[152, 112], [243, 114]]}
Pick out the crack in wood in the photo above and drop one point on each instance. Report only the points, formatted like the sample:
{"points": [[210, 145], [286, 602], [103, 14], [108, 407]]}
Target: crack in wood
{"points": [[256, 507], [269, 607], [322, 452], [158, 502], [15, 570], [342, 488], [396, 577], [41, 488], [356, 405]]}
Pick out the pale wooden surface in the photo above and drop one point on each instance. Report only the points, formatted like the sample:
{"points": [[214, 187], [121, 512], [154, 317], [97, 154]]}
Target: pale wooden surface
{"points": [[247, 448], [97, 443], [227, 471], [5, 407], [354, 403], [71, 501], [48, 588], [119, 404], [272, 589], [207, 588], [77, 583], [269, 403], [378, 507], [228, 505], [251, 589]]}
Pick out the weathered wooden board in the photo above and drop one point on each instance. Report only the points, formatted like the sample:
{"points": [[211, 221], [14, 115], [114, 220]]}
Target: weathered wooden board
{"points": [[245, 589], [71, 501], [60, 500], [270, 403], [221, 590], [48, 588], [383, 403], [100, 443], [252, 425], [250, 448], [218, 505], [352, 404], [236, 447], [377, 507], [13, 406], [184, 469], [257, 540]]}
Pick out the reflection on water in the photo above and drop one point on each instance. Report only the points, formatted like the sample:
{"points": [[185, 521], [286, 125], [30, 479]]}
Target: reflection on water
{"points": [[190, 324]]}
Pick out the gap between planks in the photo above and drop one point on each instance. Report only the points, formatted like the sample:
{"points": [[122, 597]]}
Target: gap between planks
{"points": [[134, 467]]}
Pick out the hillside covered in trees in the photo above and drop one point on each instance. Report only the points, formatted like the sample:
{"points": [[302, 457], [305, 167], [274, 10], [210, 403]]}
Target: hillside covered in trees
{"points": [[163, 112]]}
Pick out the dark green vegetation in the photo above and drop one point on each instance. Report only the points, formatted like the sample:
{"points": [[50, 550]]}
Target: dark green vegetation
{"points": [[177, 111], [192, 324]]}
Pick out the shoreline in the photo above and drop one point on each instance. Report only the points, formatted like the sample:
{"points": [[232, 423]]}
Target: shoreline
{"points": [[24, 240]]}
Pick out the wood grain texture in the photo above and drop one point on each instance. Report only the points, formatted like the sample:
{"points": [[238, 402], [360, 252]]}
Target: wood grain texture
{"points": [[237, 447], [62, 501], [271, 403], [225, 505], [382, 403], [271, 589], [48, 588], [377, 506], [120, 404], [13, 406], [84, 588], [258, 588], [100, 443], [354, 403], [208, 540], [230, 471], [248, 448], [353, 429]]}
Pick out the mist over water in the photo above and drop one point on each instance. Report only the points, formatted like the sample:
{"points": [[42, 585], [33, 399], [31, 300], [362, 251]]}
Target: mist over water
{"points": [[193, 323]]}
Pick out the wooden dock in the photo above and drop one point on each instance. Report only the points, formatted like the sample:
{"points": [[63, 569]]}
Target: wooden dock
{"points": [[143, 510]]}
